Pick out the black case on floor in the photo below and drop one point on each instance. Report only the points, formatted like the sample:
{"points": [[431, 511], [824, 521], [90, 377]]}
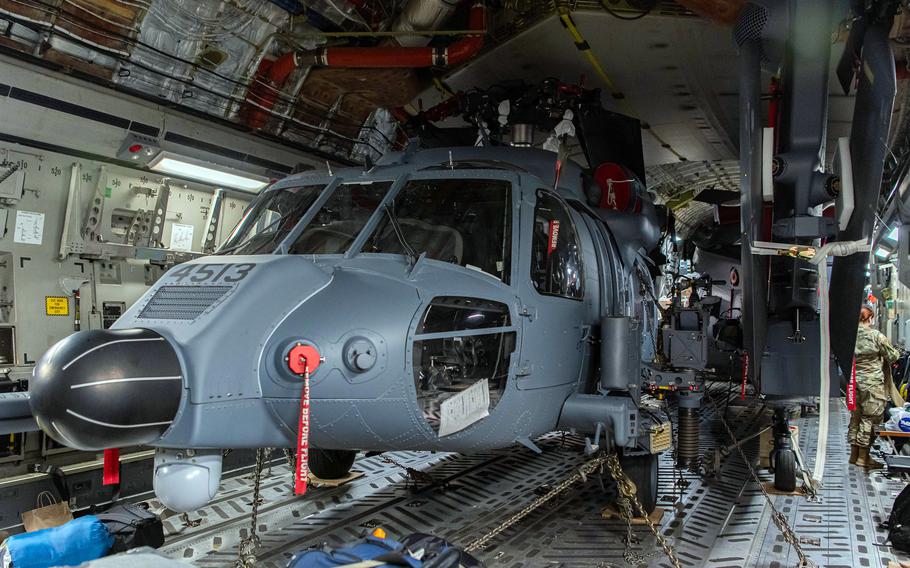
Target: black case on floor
{"points": [[132, 526]]}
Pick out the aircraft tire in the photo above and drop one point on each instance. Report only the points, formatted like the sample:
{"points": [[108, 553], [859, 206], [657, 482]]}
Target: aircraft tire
{"points": [[785, 470], [331, 464], [642, 470]]}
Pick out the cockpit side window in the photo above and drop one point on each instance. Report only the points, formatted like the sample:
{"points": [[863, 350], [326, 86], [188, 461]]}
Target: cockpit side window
{"points": [[462, 352], [340, 219], [556, 265], [269, 219], [467, 222]]}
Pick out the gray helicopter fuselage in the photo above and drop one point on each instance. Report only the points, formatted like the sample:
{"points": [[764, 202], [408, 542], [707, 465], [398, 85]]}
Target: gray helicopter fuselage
{"points": [[448, 299], [239, 393]]}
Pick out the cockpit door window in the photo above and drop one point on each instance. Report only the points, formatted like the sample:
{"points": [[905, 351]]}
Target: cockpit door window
{"points": [[556, 265], [462, 351]]}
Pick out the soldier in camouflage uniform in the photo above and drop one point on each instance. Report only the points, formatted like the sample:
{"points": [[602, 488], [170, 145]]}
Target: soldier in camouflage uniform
{"points": [[873, 350]]}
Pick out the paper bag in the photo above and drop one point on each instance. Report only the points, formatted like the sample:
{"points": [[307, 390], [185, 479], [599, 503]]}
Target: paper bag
{"points": [[49, 513]]}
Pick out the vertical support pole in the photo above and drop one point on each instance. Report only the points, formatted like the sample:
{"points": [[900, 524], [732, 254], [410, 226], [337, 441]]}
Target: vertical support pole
{"points": [[755, 287]]}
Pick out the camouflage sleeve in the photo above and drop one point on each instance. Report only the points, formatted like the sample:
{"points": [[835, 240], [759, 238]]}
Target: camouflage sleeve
{"points": [[887, 351]]}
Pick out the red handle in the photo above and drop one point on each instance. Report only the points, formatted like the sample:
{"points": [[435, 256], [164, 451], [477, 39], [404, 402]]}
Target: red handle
{"points": [[303, 437], [111, 474]]}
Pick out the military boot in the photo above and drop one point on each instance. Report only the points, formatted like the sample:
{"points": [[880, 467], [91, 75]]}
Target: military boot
{"points": [[865, 461], [854, 453]]}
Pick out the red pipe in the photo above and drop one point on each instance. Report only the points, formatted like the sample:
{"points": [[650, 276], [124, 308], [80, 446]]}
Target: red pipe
{"points": [[265, 89], [409, 57], [272, 74], [369, 57]]}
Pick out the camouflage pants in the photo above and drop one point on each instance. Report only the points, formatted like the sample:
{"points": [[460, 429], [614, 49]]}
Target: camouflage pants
{"points": [[870, 406]]}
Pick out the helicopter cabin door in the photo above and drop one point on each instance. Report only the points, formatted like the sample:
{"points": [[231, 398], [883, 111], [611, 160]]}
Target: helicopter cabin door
{"points": [[558, 293]]}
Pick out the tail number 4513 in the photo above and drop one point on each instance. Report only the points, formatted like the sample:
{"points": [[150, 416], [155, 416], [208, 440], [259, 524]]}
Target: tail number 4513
{"points": [[210, 273]]}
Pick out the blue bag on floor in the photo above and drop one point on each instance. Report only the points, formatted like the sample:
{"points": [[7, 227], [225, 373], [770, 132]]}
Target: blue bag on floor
{"points": [[432, 551], [372, 548], [78, 541]]}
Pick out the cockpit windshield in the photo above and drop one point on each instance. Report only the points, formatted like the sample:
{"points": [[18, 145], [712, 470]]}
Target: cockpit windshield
{"points": [[467, 222], [341, 218], [269, 219]]}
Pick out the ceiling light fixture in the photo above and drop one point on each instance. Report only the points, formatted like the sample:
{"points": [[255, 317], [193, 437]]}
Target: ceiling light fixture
{"points": [[206, 172]]}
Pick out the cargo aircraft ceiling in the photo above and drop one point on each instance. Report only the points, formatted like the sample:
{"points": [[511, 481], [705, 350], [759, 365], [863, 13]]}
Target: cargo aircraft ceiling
{"points": [[677, 73], [657, 65], [336, 76]]}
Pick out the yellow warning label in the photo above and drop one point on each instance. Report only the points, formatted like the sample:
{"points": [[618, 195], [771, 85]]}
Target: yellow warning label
{"points": [[57, 305]]}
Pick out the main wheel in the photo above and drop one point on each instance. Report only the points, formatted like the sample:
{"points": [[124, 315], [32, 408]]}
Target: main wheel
{"points": [[784, 470], [331, 464], [642, 470]]}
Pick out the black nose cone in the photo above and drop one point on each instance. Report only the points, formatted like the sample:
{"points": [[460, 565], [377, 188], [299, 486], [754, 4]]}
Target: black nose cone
{"points": [[107, 389]]}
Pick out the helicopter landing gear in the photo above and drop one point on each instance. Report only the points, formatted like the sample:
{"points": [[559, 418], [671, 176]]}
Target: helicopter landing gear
{"points": [[783, 458], [642, 471], [331, 464]]}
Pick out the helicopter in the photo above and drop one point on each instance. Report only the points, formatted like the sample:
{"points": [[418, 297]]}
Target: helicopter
{"points": [[446, 299]]}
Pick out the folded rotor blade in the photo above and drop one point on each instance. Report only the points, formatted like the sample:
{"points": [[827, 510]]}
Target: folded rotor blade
{"points": [[868, 144]]}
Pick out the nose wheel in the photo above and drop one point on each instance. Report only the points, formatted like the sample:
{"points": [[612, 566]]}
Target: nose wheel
{"points": [[642, 471], [331, 464], [783, 459], [784, 464]]}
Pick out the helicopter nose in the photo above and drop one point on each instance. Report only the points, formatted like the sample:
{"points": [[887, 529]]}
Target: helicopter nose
{"points": [[103, 389]]}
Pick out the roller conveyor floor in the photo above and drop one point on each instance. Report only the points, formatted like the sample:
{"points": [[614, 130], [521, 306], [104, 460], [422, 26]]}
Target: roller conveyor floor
{"points": [[723, 521]]}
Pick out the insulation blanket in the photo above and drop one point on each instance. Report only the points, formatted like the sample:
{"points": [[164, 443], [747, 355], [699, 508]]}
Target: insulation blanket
{"points": [[78, 541]]}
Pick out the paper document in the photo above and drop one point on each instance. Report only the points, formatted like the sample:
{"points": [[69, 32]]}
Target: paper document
{"points": [[181, 237], [465, 408], [29, 228]]}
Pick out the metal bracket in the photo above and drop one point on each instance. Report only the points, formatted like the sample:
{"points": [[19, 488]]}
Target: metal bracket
{"points": [[64, 250], [528, 312], [212, 221], [159, 214], [91, 227]]}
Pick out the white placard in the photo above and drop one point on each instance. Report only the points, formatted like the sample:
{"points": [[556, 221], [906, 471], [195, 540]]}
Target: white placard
{"points": [[181, 237], [465, 408], [29, 228]]}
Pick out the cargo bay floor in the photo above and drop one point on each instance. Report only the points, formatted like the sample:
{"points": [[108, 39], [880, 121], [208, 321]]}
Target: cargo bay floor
{"points": [[722, 522]]}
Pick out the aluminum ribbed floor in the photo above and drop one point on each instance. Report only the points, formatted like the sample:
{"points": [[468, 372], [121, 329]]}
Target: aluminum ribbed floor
{"points": [[723, 522]]}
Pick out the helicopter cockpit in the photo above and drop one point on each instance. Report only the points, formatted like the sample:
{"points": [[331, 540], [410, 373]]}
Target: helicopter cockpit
{"points": [[464, 221], [465, 218]]}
